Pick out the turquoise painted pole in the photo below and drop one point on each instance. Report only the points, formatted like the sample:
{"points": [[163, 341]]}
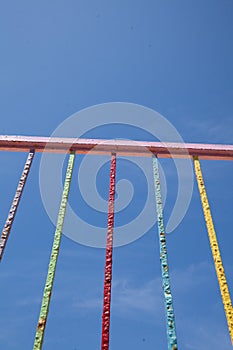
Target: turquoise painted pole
{"points": [[170, 317], [53, 259]]}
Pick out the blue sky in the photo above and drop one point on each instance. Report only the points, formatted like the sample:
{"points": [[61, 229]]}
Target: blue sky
{"points": [[59, 57]]}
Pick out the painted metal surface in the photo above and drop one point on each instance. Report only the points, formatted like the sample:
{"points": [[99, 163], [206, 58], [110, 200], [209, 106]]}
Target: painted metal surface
{"points": [[14, 206], [108, 262], [121, 147], [53, 259], [226, 299], [170, 317]]}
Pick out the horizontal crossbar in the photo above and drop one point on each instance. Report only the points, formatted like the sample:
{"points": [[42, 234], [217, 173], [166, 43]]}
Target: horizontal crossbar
{"points": [[121, 147]]}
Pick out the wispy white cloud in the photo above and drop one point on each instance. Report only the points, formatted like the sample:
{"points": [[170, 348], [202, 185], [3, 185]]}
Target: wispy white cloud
{"points": [[216, 339], [127, 298], [200, 318], [131, 298], [192, 276], [219, 131], [28, 301]]}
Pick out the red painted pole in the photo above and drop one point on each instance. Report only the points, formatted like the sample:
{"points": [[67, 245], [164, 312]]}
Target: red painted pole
{"points": [[108, 262]]}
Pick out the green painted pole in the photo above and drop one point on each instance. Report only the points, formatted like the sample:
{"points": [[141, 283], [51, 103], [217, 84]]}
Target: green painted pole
{"points": [[53, 259]]}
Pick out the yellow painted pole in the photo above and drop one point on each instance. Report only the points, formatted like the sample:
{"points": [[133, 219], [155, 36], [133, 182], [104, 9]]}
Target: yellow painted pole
{"points": [[226, 298]]}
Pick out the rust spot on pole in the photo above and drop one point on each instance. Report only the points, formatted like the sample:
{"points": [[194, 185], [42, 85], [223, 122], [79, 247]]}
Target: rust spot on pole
{"points": [[41, 324]]}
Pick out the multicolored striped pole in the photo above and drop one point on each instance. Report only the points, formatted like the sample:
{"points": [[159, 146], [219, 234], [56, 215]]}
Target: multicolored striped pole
{"points": [[108, 263], [226, 299], [13, 209], [53, 259], [170, 317]]}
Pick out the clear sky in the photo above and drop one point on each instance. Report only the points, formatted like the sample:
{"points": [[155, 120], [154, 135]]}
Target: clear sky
{"points": [[59, 57]]}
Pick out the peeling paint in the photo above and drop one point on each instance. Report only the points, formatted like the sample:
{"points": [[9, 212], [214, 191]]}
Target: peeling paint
{"points": [[108, 263], [13, 209], [53, 259], [226, 299], [170, 317]]}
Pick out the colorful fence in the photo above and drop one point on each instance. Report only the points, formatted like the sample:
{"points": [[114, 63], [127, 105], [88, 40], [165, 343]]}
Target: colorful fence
{"points": [[114, 148]]}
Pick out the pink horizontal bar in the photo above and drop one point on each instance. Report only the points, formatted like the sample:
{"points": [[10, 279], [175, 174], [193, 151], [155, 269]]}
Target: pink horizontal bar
{"points": [[121, 147]]}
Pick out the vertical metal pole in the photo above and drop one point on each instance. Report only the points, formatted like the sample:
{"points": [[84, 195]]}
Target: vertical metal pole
{"points": [[13, 209], [226, 299], [108, 263], [170, 317], [53, 259]]}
